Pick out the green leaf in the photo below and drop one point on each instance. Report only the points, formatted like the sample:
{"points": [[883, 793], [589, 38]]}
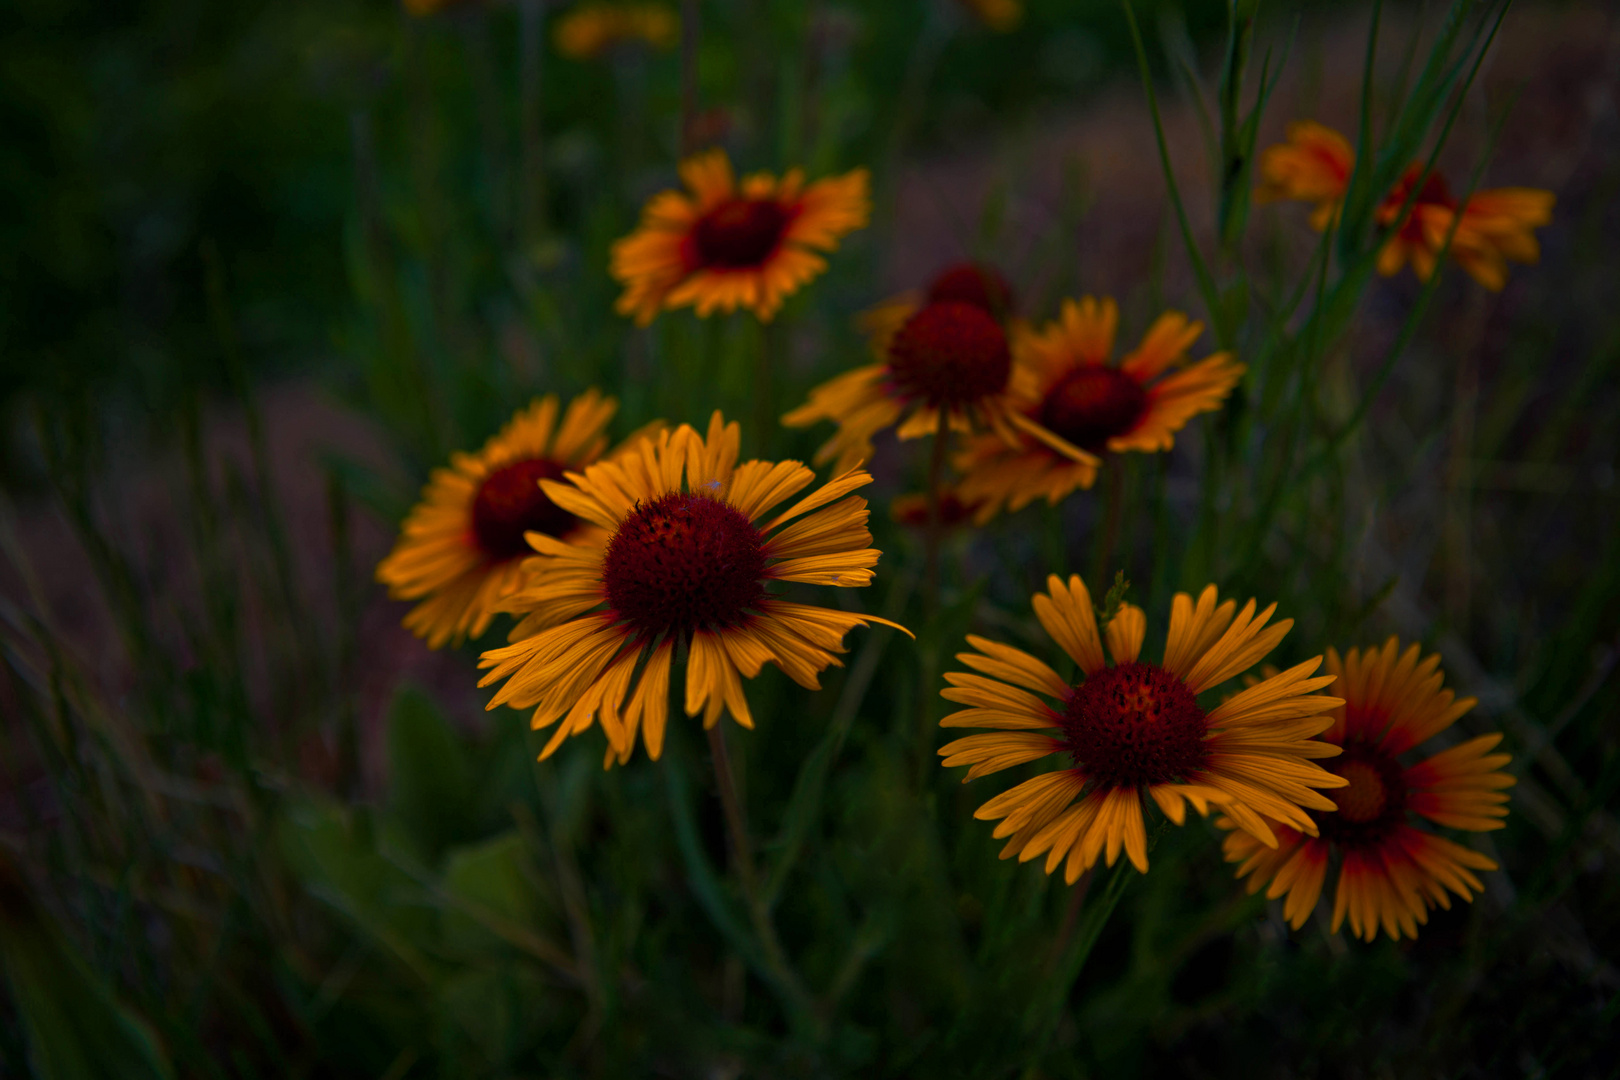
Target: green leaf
{"points": [[430, 782], [334, 855], [497, 879]]}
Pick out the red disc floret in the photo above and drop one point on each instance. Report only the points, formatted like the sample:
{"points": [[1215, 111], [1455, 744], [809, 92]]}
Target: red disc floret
{"points": [[510, 503], [1374, 803], [1135, 724], [1093, 404], [684, 562], [949, 354], [1434, 192], [973, 283], [739, 233]]}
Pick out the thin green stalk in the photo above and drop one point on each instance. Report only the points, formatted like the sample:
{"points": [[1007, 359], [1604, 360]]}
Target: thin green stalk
{"points": [[532, 201], [928, 655], [933, 535], [784, 978], [691, 31], [1047, 1010], [1206, 281], [773, 344], [1108, 535]]}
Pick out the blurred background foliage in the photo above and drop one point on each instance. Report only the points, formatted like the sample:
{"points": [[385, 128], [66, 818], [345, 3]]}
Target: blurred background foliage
{"points": [[250, 829]]}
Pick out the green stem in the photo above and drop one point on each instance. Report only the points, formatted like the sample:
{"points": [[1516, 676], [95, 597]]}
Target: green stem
{"points": [[773, 338], [932, 537], [532, 181], [1089, 923], [786, 980], [1108, 538], [691, 29], [929, 653]]}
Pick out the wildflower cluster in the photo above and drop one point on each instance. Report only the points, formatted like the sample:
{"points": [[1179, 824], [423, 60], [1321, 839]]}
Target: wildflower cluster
{"points": [[663, 565], [623, 566]]}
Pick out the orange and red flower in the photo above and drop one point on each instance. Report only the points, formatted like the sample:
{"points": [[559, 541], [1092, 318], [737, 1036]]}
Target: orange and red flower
{"points": [[1071, 405], [1492, 228], [1391, 872], [460, 551], [945, 363], [722, 245], [1133, 731], [676, 574]]}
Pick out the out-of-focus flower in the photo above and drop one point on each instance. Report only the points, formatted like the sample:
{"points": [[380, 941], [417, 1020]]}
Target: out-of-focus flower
{"points": [[1492, 228], [1072, 405], [720, 245], [430, 7], [912, 510], [1391, 873], [1312, 166], [945, 364], [589, 30], [945, 359], [1133, 730], [999, 15], [459, 552], [674, 573]]}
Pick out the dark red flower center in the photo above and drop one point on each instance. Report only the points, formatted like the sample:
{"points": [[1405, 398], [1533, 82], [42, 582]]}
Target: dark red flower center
{"points": [[1135, 724], [1092, 405], [739, 233], [510, 503], [1372, 805], [948, 354], [684, 562], [1434, 192], [971, 283]]}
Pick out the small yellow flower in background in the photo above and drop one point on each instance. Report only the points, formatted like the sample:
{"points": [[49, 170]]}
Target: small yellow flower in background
{"points": [[1072, 405], [1134, 730], [999, 15], [589, 30], [1391, 873], [724, 246], [460, 550], [677, 572], [1492, 227], [945, 361]]}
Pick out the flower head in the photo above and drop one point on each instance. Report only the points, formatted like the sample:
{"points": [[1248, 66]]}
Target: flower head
{"points": [[1312, 166], [459, 552], [1072, 405], [1134, 730], [589, 30], [679, 571], [1492, 228], [973, 283], [944, 362], [1391, 873], [722, 245]]}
